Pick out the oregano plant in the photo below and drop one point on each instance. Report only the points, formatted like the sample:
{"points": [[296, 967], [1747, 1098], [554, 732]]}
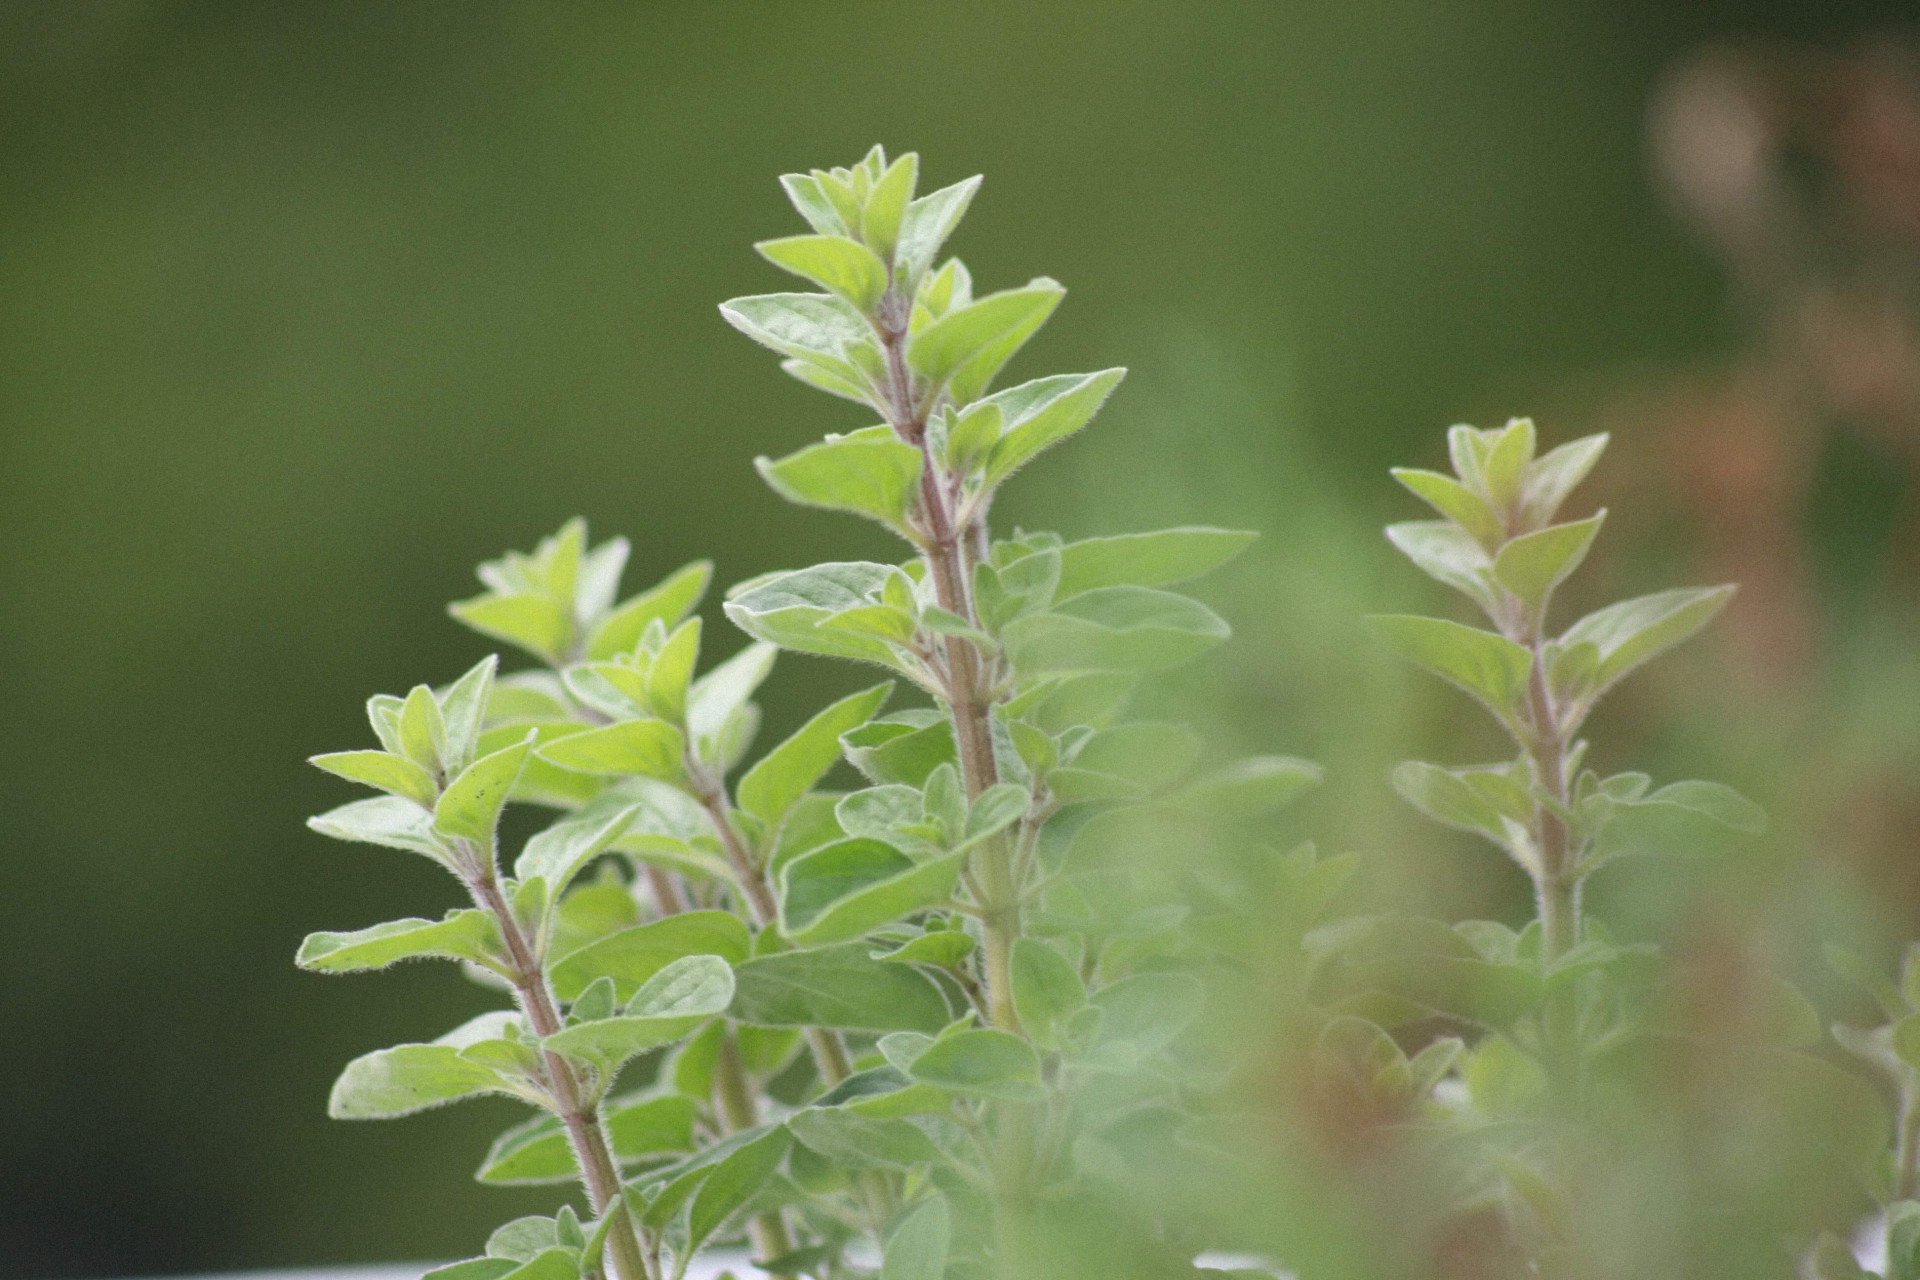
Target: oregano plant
{"points": [[868, 1030]]}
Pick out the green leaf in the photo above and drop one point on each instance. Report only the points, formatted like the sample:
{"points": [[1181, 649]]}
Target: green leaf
{"points": [[733, 1183], [1457, 503], [856, 1141], [926, 225], [1634, 631], [984, 1061], [1041, 413], [669, 1005], [813, 203], [788, 609], [1490, 667], [670, 677], [719, 719], [470, 806], [538, 1150], [669, 603], [1503, 465], [1113, 629], [473, 1269], [942, 947], [902, 748], [1712, 800], [990, 329], [789, 771], [467, 934], [818, 331], [1147, 559], [851, 887], [1448, 554], [1832, 1259], [1553, 476], [1446, 797], [1149, 1011], [391, 773], [526, 620], [409, 1078], [633, 956], [870, 473], [1046, 990], [838, 986], [558, 853], [423, 732], [917, 1249], [463, 710], [647, 748], [383, 820], [835, 263], [887, 205], [1532, 565], [1903, 1241]]}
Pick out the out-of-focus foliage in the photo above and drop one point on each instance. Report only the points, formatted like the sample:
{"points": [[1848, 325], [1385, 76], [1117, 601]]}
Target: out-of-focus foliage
{"points": [[308, 309]]}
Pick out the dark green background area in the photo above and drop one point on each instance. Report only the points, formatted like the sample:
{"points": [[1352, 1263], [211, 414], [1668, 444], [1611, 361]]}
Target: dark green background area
{"points": [[305, 309]]}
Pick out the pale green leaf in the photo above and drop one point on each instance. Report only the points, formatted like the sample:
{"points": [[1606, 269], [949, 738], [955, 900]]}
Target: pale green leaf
{"points": [[1490, 667], [1634, 631], [870, 473], [633, 956], [852, 887], [1043, 412], [383, 820], [647, 748], [787, 772], [1554, 475], [668, 602], [558, 853], [408, 1078], [669, 1005], [812, 327], [1046, 991], [1146, 559], [470, 806], [391, 773], [1456, 502], [1246, 788], [788, 609], [926, 225], [467, 934], [887, 205], [1532, 565], [733, 1183], [835, 263], [838, 986], [525, 620], [981, 331], [1448, 554], [1113, 629], [463, 710], [984, 1061]]}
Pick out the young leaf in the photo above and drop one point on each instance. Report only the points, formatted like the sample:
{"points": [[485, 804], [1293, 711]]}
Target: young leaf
{"points": [[926, 225], [732, 1184], [887, 205], [788, 609], [835, 263], [1449, 555], [1490, 667], [813, 327], [558, 853], [1113, 629], [463, 710], [1041, 413], [852, 887], [392, 773], [538, 1151], [1634, 631], [989, 330], [669, 603], [383, 820], [468, 934], [633, 956], [1533, 564], [1146, 559], [838, 986], [1553, 476], [917, 1249], [470, 806], [1046, 990], [525, 620], [870, 473], [1447, 798], [1250, 787], [718, 701], [408, 1078], [670, 1004], [858, 1141], [1457, 503], [647, 748], [787, 772], [983, 1061]]}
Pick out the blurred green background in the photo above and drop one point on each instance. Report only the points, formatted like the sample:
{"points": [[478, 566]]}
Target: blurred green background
{"points": [[306, 309]]}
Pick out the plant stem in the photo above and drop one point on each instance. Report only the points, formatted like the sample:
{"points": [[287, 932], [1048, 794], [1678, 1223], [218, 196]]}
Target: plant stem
{"points": [[578, 1110], [946, 550], [1906, 1149], [738, 1112], [1555, 885]]}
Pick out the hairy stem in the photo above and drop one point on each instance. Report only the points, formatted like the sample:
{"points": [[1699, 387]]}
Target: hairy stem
{"points": [[1557, 888], [738, 1112], [579, 1112], [947, 551]]}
